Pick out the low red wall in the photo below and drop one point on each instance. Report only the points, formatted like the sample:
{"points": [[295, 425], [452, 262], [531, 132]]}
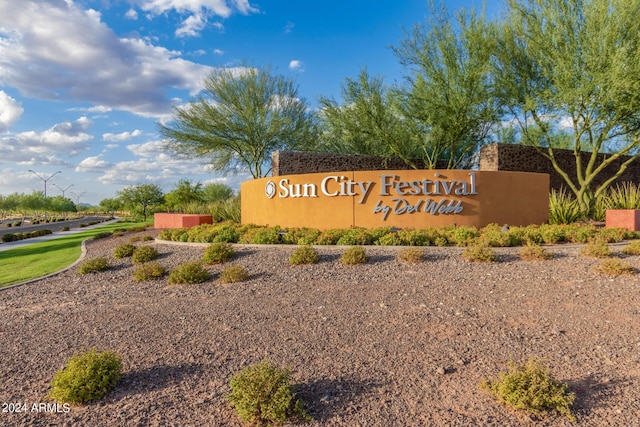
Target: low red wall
{"points": [[168, 220], [623, 218]]}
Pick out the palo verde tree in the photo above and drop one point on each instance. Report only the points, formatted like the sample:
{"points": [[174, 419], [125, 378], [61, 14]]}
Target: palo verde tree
{"points": [[573, 66], [240, 119], [140, 198], [368, 121], [449, 91]]}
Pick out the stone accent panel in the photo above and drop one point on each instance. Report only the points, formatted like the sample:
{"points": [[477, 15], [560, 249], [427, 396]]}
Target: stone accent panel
{"points": [[508, 157], [301, 162]]}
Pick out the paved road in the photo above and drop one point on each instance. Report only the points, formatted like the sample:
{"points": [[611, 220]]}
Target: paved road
{"points": [[56, 227]]}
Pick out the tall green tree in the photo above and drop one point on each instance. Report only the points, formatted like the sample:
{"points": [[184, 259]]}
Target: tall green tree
{"points": [[216, 191], [141, 198], [575, 62], [367, 121], [449, 91], [240, 119], [184, 192]]}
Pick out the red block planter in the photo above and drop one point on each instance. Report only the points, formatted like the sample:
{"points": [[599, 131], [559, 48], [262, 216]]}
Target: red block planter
{"points": [[168, 220], [623, 218]]}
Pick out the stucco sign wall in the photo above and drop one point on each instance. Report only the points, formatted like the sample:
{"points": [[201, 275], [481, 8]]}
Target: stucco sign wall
{"points": [[401, 198]]}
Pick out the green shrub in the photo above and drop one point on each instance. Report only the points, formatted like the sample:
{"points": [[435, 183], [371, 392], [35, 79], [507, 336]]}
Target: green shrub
{"points": [[530, 387], [304, 255], [94, 265], [417, 237], [355, 236], [233, 274], [124, 250], [632, 248], [623, 196], [479, 253], [354, 255], [9, 237], [495, 235], [189, 273], [86, 377], [330, 237], [596, 248], [563, 208], [462, 235], [263, 394], [148, 271], [534, 252], [552, 234], [578, 233], [65, 228], [412, 255], [614, 267], [217, 253], [261, 236], [144, 254], [301, 236], [102, 235]]}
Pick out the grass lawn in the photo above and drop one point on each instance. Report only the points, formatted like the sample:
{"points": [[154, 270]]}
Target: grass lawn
{"points": [[39, 259]]}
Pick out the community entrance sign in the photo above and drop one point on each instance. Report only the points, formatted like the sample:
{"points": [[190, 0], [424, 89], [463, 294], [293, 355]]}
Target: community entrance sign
{"points": [[400, 198]]}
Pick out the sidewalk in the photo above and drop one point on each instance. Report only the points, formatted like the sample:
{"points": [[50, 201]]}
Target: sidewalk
{"points": [[11, 245]]}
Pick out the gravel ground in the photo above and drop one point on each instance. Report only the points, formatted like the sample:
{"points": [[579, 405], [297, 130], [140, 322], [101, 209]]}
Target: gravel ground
{"points": [[380, 344]]}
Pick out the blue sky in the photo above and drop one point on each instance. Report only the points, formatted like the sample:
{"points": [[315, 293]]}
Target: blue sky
{"points": [[83, 83]]}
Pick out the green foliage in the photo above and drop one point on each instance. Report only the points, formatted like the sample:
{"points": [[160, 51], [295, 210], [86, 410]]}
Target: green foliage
{"points": [[632, 248], [144, 254], [261, 236], [623, 196], [226, 210], [496, 236], [614, 267], [94, 265], [233, 274], [597, 248], [183, 193], [124, 250], [411, 255], [102, 235], [217, 253], [86, 377], [355, 236], [300, 236], [531, 387], [141, 198], [331, 236], [189, 273], [304, 255], [563, 208], [534, 252], [148, 271], [263, 394], [354, 255], [239, 119], [479, 252], [462, 235]]}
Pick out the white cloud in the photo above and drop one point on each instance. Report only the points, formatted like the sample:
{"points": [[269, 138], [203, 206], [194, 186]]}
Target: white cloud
{"points": [[153, 165], [93, 164], [124, 136], [218, 51], [197, 11], [51, 49], [296, 65], [131, 14], [10, 111], [48, 147], [289, 27]]}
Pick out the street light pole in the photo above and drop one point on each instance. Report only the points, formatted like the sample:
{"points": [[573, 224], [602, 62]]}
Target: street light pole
{"points": [[63, 189], [45, 180], [77, 196]]}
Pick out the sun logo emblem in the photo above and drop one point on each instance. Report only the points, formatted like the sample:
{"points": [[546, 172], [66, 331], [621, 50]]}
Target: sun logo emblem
{"points": [[270, 189]]}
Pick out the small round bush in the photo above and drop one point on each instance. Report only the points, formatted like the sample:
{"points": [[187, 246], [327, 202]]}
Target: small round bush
{"points": [[233, 274], [65, 228], [102, 235], [148, 271], [632, 248], [479, 253], [144, 254], [534, 252], [262, 394], [94, 265], [354, 255], [124, 250], [529, 386], [614, 267], [412, 255], [304, 255], [189, 273], [217, 253], [597, 248], [86, 377]]}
